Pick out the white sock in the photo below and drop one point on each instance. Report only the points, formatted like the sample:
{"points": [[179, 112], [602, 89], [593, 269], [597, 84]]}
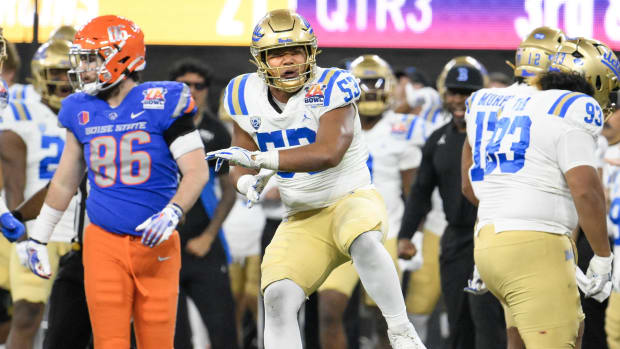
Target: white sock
{"points": [[282, 301], [378, 275]]}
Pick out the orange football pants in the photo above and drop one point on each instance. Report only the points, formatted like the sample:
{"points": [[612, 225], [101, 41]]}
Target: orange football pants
{"points": [[124, 279]]}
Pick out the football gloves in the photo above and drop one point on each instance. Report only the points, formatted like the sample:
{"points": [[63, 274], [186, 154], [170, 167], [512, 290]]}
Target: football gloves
{"points": [[597, 282], [12, 228], [33, 255], [475, 285], [237, 156], [252, 185], [158, 228]]}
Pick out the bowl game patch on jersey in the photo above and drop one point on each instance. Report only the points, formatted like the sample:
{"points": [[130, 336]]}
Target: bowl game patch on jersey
{"points": [[314, 94], [154, 98]]}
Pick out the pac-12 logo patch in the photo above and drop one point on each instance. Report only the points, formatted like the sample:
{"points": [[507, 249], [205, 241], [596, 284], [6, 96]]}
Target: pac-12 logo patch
{"points": [[154, 98], [83, 117], [255, 122], [314, 94]]}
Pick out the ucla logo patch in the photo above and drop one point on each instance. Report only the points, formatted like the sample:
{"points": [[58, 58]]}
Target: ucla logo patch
{"points": [[255, 122], [539, 36], [611, 62], [83, 117], [314, 94], [154, 98]]}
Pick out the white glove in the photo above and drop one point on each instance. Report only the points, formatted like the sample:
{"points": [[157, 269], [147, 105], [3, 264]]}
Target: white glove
{"points": [[416, 261], [33, 255], [161, 225], [597, 282], [252, 186], [242, 157], [475, 285]]}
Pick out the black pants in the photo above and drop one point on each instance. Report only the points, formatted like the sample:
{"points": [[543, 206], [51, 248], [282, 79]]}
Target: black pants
{"points": [[594, 336], [68, 320], [206, 281], [474, 321]]}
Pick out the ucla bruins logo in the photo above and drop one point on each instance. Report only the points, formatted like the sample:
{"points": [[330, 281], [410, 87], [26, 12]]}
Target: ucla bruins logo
{"points": [[255, 122]]}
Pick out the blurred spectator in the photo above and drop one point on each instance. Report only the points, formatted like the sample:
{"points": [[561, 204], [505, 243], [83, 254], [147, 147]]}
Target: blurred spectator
{"points": [[498, 79], [204, 259]]}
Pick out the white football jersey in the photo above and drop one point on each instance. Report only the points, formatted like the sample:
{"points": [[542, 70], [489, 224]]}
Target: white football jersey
{"points": [[38, 127], [394, 146], [247, 101], [24, 92], [518, 136]]}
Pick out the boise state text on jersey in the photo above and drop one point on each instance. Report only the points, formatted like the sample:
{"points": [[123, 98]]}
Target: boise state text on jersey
{"points": [[123, 151]]}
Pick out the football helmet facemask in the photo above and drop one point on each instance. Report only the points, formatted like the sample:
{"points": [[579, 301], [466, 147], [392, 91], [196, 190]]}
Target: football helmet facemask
{"points": [[377, 83], [596, 62], [536, 51], [460, 60], [50, 60], [279, 29], [111, 47]]}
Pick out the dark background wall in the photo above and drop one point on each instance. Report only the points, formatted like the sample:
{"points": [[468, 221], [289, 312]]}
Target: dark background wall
{"points": [[227, 61]]}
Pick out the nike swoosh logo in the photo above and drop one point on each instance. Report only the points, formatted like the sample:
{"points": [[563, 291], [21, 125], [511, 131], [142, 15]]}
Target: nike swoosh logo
{"points": [[133, 116], [161, 259]]}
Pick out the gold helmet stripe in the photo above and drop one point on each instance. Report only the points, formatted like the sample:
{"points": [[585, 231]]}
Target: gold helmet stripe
{"points": [[561, 105], [331, 78], [235, 95], [20, 111]]}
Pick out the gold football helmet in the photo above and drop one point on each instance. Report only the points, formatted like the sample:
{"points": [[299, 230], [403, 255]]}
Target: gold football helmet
{"points": [[278, 29], [51, 58], [536, 52], [65, 32], [377, 83], [3, 55], [460, 60], [596, 62]]}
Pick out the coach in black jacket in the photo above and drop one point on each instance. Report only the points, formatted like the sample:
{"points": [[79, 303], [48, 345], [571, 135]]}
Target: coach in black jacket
{"points": [[475, 321]]}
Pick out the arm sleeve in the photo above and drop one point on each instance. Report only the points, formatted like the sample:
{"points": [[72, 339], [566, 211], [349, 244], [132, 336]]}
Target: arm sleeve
{"points": [[576, 148], [182, 137], [419, 201]]}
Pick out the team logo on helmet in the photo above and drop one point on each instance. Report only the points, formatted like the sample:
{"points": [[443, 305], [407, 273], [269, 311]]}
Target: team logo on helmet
{"points": [[154, 98], [255, 122], [83, 117], [314, 94], [256, 34]]}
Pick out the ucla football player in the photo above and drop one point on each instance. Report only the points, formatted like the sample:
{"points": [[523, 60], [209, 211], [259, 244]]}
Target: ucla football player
{"points": [[132, 139], [533, 173], [394, 142], [301, 120]]}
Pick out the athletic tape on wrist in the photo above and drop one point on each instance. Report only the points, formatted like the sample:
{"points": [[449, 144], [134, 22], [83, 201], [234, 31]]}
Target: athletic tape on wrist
{"points": [[45, 223]]}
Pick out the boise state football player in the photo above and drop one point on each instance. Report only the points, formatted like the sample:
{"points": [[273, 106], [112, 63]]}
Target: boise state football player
{"points": [[301, 120], [132, 139]]}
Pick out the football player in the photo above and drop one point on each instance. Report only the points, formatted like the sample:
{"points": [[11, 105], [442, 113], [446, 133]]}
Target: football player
{"points": [[394, 142], [132, 139], [30, 147], [533, 57], [538, 149], [12, 229], [301, 120]]}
